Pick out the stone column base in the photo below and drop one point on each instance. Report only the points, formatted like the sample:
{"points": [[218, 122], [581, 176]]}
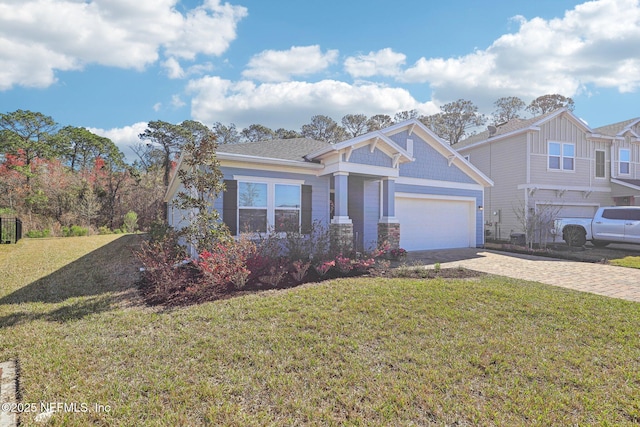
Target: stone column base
{"points": [[341, 238], [389, 233]]}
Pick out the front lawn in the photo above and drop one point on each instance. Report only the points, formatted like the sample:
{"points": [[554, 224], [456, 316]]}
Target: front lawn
{"points": [[365, 351], [628, 261]]}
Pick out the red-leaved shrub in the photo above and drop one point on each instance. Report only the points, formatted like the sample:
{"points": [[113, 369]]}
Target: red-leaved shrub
{"points": [[225, 264]]}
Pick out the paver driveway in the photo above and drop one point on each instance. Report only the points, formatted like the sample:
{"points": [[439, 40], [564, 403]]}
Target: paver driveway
{"points": [[601, 279]]}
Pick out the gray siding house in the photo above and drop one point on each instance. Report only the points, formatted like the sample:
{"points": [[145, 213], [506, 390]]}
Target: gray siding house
{"points": [[401, 184], [554, 165]]}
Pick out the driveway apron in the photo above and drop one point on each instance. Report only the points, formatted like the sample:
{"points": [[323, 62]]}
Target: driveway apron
{"points": [[601, 279]]}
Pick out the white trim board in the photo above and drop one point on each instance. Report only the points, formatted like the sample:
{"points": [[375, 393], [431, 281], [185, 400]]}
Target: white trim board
{"points": [[423, 182], [435, 197]]}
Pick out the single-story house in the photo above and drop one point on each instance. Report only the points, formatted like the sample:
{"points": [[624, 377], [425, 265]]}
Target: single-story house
{"points": [[401, 184]]}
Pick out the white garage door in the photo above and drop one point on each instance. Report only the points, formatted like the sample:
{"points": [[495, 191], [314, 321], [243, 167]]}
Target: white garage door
{"points": [[430, 223]]}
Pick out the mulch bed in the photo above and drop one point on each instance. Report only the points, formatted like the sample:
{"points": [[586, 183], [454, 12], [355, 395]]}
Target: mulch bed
{"points": [[585, 253], [188, 294]]}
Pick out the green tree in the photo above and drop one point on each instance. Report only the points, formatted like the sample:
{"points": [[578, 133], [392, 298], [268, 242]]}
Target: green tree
{"points": [[201, 178], [324, 128], [282, 133], [547, 103], [166, 140], [130, 222], [226, 134], [28, 133], [257, 133], [80, 148]]}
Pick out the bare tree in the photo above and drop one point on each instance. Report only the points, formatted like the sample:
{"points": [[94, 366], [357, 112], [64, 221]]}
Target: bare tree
{"points": [[546, 103], [455, 120], [379, 121], [355, 124], [401, 116], [507, 108], [537, 222]]}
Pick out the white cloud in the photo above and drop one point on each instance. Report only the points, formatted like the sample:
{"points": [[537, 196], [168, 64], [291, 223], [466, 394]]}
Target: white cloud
{"points": [[207, 29], [289, 104], [38, 37], [281, 65], [596, 43], [384, 62], [174, 70], [157, 106], [177, 101], [124, 137]]}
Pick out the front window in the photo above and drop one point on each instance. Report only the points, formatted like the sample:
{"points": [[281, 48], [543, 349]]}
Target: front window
{"points": [[287, 207], [562, 156], [252, 207], [265, 205], [625, 158]]}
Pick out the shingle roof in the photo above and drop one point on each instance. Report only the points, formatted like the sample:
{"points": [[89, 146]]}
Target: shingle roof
{"points": [[634, 182], [512, 125], [285, 149], [615, 128]]}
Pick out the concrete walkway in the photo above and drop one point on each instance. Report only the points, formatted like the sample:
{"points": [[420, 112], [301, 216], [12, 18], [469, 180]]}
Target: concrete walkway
{"points": [[601, 279]]}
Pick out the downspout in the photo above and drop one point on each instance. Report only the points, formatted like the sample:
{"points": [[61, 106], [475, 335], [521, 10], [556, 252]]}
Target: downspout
{"points": [[613, 174]]}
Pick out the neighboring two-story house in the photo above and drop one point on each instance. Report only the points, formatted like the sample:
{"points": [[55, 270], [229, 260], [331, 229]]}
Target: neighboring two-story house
{"points": [[554, 165]]}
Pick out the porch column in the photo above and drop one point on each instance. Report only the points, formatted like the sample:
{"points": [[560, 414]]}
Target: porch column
{"points": [[388, 198], [341, 227], [389, 226]]}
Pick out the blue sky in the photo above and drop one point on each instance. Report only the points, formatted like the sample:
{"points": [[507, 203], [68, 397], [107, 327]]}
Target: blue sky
{"points": [[113, 65]]}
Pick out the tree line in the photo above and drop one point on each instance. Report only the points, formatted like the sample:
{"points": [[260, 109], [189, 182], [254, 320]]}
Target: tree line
{"points": [[455, 121], [54, 176]]}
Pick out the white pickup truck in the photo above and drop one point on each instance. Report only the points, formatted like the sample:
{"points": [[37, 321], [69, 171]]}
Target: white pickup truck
{"points": [[614, 224]]}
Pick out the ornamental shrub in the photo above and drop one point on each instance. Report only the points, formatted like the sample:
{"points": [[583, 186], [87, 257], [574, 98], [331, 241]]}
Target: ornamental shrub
{"points": [[225, 265], [36, 234], [74, 230], [130, 222], [166, 275]]}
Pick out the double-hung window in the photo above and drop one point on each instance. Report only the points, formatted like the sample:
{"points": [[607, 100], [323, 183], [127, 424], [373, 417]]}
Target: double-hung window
{"points": [[600, 164], [562, 156], [252, 206], [624, 158], [287, 208], [264, 206]]}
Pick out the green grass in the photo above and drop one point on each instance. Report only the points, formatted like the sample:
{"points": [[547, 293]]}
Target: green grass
{"points": [[629, 261], [486, 351]]}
